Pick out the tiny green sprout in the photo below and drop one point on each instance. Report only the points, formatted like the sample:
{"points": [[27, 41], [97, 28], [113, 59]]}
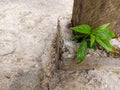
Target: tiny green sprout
{"points": [[88, 38]]}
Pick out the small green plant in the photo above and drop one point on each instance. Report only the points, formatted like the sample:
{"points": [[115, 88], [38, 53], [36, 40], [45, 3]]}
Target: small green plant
{"points": [[89, 38]]}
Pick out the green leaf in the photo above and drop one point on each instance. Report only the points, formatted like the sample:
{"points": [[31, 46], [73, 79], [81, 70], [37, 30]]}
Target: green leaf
{"points": [[85, 29], [92, 40], [105, 34], [105, 44], [82, 51], [100, 28], [111, 34]]}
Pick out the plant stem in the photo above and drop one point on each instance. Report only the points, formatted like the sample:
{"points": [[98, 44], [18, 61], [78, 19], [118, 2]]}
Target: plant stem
{"points": [[85, 37]]}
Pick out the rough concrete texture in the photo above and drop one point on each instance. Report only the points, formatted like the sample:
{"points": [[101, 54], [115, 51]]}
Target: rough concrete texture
{"points": [[27, 31], [35, 41], [116, 43], [97, 72], [88, 80], [67, 47]]}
